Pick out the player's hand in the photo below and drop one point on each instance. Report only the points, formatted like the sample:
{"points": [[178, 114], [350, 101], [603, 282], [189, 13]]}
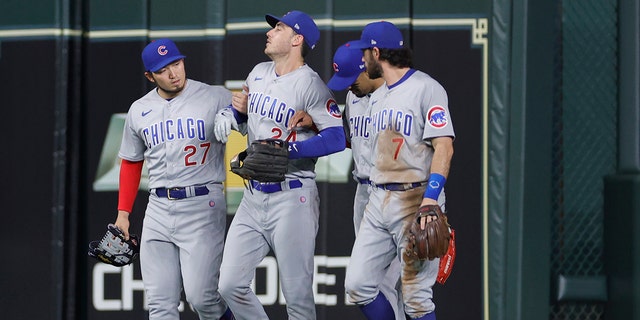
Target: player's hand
{"points": [[425, 220], [122, 222], [239, 100], [223, 124], [300, 119]]}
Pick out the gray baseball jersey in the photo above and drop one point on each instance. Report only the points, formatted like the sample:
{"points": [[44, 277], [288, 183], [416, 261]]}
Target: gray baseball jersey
{"points": [[182, 240], [282, 217], [175, 137], [357, 123], [274, 99], [404, 117]]}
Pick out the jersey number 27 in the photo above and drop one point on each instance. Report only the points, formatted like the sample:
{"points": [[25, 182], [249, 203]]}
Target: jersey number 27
{"points": [[190, 159]]}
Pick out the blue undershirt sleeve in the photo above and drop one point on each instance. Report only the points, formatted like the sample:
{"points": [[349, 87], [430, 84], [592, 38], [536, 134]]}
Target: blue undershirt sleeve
{"points": [[240, 117], [328, 141]]}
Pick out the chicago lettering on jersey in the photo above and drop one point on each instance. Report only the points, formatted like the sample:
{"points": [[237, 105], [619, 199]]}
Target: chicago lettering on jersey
{"points": [[359, 126], [174, 129], [394, 120], [270, 107]]}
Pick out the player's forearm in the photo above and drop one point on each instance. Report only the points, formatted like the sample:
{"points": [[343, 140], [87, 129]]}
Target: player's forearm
{"points": [[442, 155], [440, 164], [328, 141], [130, 174]]}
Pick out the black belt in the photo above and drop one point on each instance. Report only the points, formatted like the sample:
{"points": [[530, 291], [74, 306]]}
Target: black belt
{"points": [[363, 181], [181, 192], [271, 187], [398, 186]]}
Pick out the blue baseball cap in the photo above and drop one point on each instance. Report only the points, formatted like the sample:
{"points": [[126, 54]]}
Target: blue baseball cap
{"points": [[347, 65], [159, 53], [381, 34], [301, 23]]}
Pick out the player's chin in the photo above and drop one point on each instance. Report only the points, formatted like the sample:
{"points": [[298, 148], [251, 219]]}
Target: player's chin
{"points": [[173, 89], [177, 89], [178, 84]]}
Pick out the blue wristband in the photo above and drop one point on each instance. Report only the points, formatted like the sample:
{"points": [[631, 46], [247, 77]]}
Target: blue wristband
{"points": [[434, 186]]}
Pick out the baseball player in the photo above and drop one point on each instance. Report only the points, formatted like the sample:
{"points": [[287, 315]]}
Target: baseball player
{"points": [[350, 73], [282, 217], [412, 146], [171, 128]]}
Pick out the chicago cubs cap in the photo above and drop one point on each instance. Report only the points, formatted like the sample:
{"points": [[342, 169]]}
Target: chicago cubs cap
{"points": [[382, 34], [301, 23], [160, 53], [347, 65]]}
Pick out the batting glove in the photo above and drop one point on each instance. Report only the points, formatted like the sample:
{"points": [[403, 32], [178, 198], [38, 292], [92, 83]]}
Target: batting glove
{"points": [[225, 121]]}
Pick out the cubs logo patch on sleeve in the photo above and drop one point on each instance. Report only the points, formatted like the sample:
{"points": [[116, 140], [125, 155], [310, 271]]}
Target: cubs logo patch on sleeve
{"points": [[333, 109], [437, 117]]}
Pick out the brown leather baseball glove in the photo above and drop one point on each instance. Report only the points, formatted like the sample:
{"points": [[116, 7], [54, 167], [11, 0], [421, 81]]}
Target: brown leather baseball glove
{"points": [[432, 241]]}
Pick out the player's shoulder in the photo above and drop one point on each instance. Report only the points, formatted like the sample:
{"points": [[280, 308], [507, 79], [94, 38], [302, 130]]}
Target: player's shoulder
{"points": [[265, 66], [261, 71], [218, 89], [198, 86], [420, 81], [308, 71], [150, 98], [309, 78], [421, 76], [356, 106], [194, 85], [417, 75]]}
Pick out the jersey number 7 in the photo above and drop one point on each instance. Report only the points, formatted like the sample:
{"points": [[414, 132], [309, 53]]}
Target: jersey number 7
{"points": [[400, 142]]}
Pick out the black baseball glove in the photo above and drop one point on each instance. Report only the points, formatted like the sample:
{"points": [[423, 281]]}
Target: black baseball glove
{"points": [[264, 160], [433, 241], [114, 249]]}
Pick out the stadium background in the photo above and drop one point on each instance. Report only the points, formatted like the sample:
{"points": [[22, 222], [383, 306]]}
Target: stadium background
{"points": [[544, 97]]}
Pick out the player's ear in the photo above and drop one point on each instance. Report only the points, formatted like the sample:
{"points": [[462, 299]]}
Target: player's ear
{"points": [[297, 40], [149, 77], [375, 52]]}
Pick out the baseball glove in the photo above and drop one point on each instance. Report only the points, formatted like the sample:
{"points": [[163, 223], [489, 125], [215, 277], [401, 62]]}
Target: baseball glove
{"points": [[264, 160], [433, 241], [446, 262], [114, 249]]}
